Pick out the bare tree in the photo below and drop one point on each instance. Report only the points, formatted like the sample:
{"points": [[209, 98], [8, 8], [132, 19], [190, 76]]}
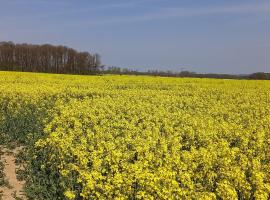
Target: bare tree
{"points": [[47, 58]]}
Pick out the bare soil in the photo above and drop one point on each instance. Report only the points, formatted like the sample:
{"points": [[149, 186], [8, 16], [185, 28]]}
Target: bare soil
{"points": [[14, 189]]}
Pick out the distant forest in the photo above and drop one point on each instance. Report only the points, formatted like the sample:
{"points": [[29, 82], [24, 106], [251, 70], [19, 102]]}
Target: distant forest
{"points": [[64, 60], [125, 71], [46, 58]]}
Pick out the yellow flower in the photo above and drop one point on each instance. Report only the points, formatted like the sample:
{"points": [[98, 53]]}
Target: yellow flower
{"points": [[69, 194]]}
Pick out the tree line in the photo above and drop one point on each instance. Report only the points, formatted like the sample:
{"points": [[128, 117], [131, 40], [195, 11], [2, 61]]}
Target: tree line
{"points": [[47, 58], [126, 71], [61, 59]]}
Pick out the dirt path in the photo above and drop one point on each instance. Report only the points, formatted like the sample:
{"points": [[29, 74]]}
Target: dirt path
{"points": [[15, 187]]}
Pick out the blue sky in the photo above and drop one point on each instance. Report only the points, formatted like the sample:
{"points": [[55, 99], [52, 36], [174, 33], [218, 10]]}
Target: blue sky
{"points": [[219, 36]]}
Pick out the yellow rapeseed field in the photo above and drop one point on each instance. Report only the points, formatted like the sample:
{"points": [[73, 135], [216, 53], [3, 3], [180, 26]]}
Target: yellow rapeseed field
{"points": [[139, 137]]}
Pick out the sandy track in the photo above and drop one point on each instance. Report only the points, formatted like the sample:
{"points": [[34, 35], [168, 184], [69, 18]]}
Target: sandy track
{"points": [[15, 186]]}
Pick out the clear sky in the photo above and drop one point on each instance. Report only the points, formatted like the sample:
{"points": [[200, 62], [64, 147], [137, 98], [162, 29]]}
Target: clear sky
{"points": [[219, 36]]}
